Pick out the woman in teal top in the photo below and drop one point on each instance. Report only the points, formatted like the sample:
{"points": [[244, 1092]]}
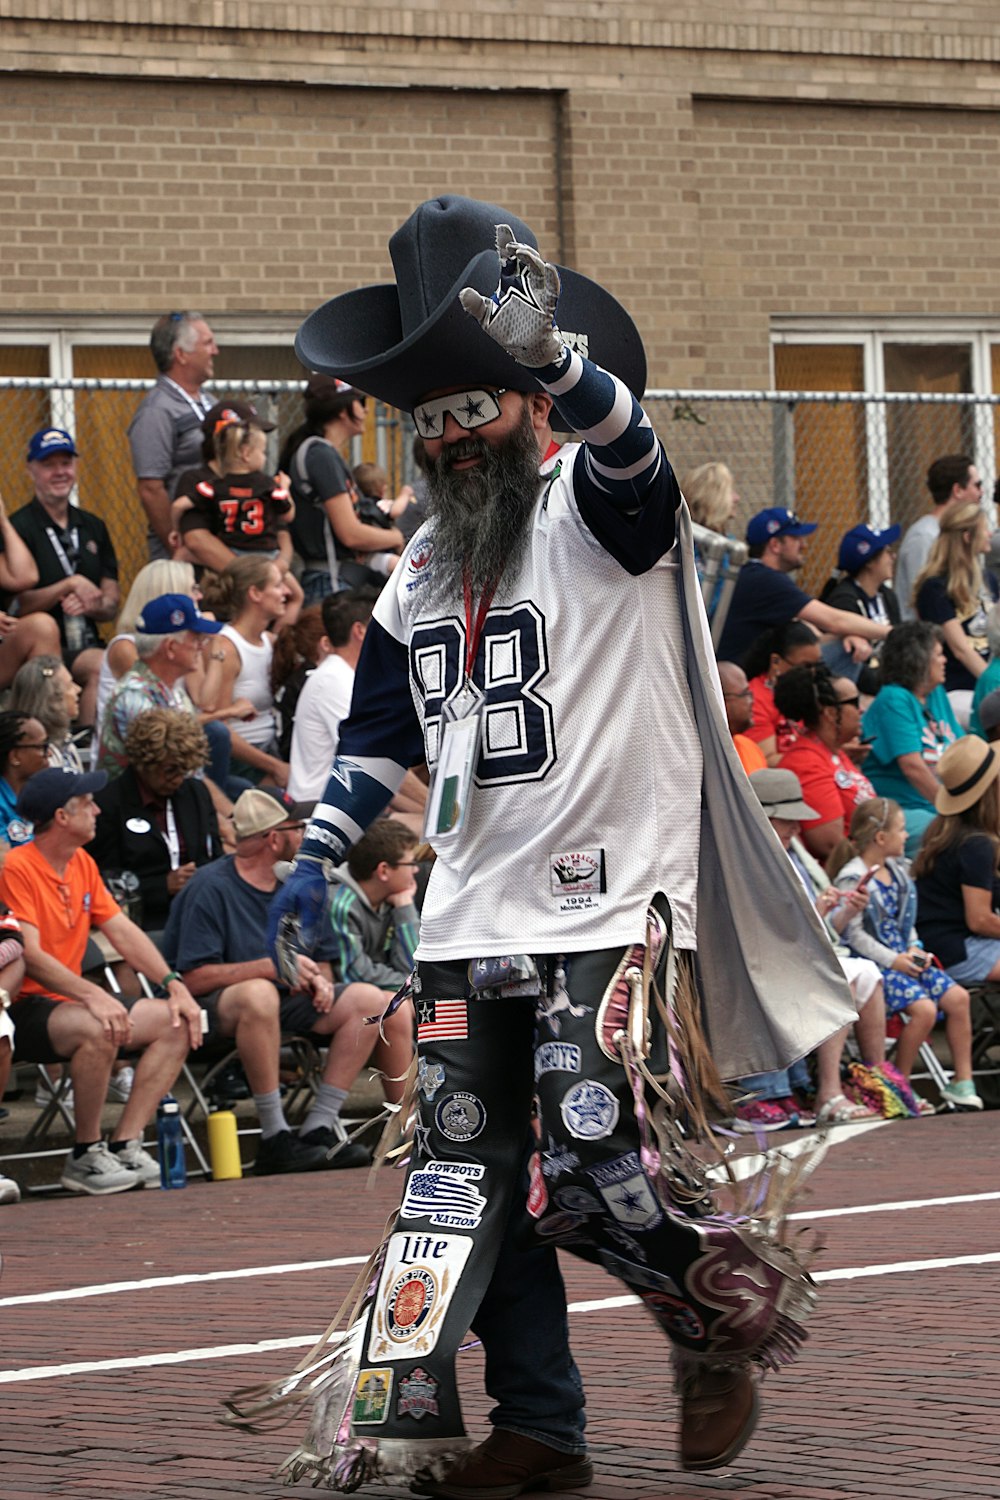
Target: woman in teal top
{"points": [[910, 724], [24, 749]]}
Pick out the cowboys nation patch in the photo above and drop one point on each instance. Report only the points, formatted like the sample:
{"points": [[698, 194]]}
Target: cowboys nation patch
{"points": [[446, 1193], [442, 1021]]}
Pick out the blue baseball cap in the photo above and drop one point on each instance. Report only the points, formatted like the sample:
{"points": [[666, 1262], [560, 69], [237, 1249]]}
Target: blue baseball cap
{"points": [[776, 521], [44, 793], [49, 440], [859, 545], [172, 613]]}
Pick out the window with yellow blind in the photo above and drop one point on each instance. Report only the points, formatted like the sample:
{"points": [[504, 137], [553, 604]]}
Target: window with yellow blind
{"points": [[917, 435], [883, 453], [22, 412], [830, 454], [106, 483]]}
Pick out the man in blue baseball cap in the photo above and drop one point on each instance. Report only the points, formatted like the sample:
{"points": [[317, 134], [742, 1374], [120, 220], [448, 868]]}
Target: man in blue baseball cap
{"points": [[766, 595], [168, 636], [77, 584]]}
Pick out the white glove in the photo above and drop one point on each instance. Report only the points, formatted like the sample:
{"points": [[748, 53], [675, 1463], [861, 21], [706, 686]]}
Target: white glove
{"points": [[520, 315]]}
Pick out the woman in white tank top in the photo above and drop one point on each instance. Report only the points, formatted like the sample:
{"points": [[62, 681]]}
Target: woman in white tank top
{"points": [[252, 593]]}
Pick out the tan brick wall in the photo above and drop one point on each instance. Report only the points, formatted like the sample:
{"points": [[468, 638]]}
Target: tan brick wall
{"points": [[233, 198], [714, 164], [859, 212]]}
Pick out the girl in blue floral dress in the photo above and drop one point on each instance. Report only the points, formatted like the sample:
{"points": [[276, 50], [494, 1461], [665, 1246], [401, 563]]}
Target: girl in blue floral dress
{"points": [[885, 932]]}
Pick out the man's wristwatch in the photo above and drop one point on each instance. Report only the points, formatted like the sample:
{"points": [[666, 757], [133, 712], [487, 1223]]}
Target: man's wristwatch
{"points": [[161, 990]]}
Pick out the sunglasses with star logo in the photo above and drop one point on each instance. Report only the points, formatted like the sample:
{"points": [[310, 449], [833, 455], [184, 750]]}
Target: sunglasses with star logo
{"points": [[471, 409]]}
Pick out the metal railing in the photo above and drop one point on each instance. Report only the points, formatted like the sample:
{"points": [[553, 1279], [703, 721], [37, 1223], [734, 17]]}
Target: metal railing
{"points": [[834, 457]]}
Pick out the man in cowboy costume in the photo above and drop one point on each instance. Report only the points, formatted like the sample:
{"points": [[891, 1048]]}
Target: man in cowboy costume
{"points": [[542, 644]]}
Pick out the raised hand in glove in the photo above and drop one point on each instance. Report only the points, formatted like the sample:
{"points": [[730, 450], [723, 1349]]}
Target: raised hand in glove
{"points": [[520, 315], [295, 915]]}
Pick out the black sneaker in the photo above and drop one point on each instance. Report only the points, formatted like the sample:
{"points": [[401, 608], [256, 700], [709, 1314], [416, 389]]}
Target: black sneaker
{"points": [[229, 1085], [284, 1152], [350, 1154]]}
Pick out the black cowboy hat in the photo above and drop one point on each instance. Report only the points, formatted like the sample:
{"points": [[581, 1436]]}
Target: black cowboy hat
{"points": [[399, 341]]}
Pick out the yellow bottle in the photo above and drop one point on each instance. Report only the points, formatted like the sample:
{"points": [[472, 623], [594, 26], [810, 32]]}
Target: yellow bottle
{"points": [[224, 1146]]}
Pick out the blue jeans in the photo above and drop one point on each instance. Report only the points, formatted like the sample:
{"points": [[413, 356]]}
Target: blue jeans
{"points": [[779, 1084], [220, 749], [316, 585], [522, 1322]]}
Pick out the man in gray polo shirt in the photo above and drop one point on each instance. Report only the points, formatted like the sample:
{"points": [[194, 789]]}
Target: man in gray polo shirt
{"points": [[165, 434]]}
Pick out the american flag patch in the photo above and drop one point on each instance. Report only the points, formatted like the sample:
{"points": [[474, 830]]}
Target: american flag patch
{"points": [[442, 1021]]}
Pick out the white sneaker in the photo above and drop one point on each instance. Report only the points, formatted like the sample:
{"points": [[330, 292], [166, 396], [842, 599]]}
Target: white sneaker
{"points": [[132, 1156], [97, 1171], [9, 1190], [120, 1085]]}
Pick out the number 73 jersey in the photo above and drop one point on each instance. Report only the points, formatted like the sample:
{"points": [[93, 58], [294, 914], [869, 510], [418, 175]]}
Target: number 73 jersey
{"points": [[587, 792]]}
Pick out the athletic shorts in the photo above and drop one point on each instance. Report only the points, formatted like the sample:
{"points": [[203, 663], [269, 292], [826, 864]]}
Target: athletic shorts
{"points": [[30, 1014], [297, 1012]]}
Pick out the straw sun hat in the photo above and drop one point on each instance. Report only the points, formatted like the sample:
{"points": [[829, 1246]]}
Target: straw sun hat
{"points": [[965, 770]]}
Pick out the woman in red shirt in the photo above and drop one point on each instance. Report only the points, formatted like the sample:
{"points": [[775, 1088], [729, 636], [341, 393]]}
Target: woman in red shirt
{"points": [[828, 710], [794, 644]]}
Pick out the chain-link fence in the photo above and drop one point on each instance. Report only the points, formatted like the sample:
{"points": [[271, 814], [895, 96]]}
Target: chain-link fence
{"points": [[98, 413], [834, 458]]}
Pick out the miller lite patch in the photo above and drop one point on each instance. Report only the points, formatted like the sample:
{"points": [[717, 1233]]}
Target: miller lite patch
{"points": [[415, 1289]]}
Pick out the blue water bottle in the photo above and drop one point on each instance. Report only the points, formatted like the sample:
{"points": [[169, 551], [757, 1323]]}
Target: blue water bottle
{"points": [[170, 1140]]}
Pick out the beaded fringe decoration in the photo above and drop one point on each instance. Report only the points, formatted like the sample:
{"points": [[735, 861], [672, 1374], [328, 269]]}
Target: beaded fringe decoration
{"points": [[749, 1214], [327, 1376]]}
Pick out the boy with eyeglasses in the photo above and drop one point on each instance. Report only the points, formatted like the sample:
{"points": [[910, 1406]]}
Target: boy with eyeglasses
{"points": [[373, 914]]}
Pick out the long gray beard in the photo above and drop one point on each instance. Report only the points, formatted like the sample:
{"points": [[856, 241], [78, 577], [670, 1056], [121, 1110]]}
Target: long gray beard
{"points": [[482, 515]]}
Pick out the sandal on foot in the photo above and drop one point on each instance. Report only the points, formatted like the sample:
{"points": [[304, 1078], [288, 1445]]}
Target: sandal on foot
{"points": [[840, 1111]]}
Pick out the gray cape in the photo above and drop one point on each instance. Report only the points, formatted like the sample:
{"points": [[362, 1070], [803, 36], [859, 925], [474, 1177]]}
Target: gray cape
{"points": [[771, 985]]}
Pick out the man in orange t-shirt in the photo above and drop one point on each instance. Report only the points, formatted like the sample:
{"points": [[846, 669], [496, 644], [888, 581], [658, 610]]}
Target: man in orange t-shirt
{"points": [[738, 698], [55, 890]]}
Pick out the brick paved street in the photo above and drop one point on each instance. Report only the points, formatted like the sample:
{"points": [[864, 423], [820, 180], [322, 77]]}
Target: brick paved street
{"points": [[895, 1395]]}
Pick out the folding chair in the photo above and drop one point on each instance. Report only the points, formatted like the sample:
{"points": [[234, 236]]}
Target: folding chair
{"points": [[189, 1134], [298, 1053], [56, 1108]]}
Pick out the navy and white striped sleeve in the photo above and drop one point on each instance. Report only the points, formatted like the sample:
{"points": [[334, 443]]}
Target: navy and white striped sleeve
{"points": [[379, 740], [626, 490]]}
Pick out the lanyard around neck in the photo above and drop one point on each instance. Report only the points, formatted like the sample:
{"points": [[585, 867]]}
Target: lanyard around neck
{"points": [[474, 626]]}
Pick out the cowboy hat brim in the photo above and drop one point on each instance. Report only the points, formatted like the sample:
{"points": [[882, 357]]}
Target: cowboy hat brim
{"points": [[358, 336]]}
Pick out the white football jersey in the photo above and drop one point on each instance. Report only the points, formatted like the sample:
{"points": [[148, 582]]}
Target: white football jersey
{"points": [[587, 798]]}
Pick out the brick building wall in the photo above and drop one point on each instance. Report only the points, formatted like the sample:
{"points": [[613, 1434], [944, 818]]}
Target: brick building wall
{"points": [[716, 167]]}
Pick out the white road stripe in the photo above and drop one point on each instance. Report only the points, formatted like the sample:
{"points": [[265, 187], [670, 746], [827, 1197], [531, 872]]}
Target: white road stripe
{"points": [[153, 1283], [888, 1208], [233, 1351], [150, 1283]]}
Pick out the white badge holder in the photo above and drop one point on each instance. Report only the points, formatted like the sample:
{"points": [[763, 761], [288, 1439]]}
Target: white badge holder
{"points": [[453, 781]]}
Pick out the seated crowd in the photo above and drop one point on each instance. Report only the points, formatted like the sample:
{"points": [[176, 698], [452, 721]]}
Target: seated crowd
{"points": [[177, 766], [882, 736], [144, 819]]}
